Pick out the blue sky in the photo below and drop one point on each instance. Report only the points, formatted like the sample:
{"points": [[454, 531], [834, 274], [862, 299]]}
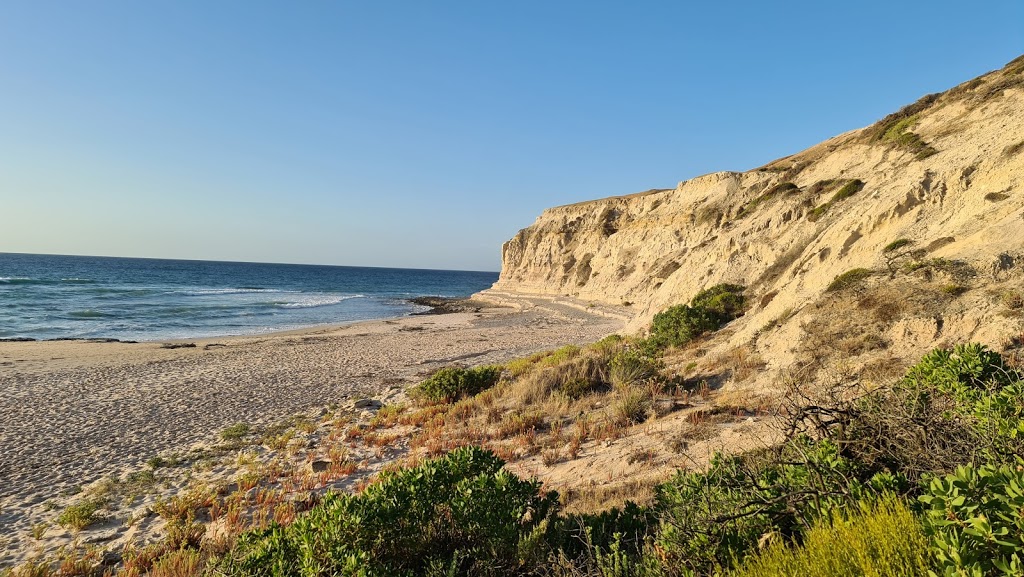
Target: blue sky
{"points": [[424, 134]]}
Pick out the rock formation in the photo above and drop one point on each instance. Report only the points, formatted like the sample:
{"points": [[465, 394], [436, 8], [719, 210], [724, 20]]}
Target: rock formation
{"points": [[943, 176]]}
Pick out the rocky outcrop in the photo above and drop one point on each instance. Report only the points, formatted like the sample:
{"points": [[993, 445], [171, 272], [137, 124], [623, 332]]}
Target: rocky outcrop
{"points": [[946, 173]]}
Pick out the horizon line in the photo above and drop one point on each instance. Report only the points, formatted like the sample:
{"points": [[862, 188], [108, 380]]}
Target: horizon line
{"points": [[248, 262]]}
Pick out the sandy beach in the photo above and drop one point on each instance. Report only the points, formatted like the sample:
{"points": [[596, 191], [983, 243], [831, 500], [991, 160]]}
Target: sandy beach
{"points": [[77, 411]]}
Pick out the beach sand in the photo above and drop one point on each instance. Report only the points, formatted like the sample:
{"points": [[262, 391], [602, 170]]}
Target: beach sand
{"points": [[74, 412]]}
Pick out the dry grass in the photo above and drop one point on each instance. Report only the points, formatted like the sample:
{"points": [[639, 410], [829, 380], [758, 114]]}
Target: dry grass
{"points": [[633, 406], [596, 498], [741, 362], [848, 325]]}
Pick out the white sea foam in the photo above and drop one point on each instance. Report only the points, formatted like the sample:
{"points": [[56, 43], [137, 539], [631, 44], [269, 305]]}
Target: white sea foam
{"points": [[318, 301]]}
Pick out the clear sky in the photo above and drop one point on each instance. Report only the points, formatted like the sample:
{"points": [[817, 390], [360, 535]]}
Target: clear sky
{"points": [[425, 133]]}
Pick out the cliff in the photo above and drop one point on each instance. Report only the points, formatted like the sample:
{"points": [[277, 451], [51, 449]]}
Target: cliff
{"points": [[945, 172], [943, 176]]}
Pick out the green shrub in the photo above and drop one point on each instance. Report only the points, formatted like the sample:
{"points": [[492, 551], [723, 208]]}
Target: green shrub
{"points": [[81, 515], [708, 311], [876, 539], [680, 324], [632, 366], [954, 290], [618, 561], [984, 390], [849, 279], [576, 387], [897, 244], [955, 406], [846, 191], [463, 514], [452, 383], [849, 189], [608, 346], [592, 541], [815, 214], [780, 188], [560, 355], [899, 133], [235, 432], [709, 519], [976, 519]]}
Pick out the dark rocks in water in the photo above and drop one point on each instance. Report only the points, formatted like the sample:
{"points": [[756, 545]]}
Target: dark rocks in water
{"points": [[178, 345], [17, 340], [445, 305]]}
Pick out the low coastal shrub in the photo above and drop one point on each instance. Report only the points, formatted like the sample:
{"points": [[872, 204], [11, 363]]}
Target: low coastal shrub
{"points": [[462, 514], [235, 432], [849, 189], [771, 193], [711, 519], [899, 134], [82, 514], [976, 519], [708, 311], [560, 355], [633, 366], [975, 386], [897, 244], [452, 383], [573, 372], [849, 279], [879, 538], [832, 499]]}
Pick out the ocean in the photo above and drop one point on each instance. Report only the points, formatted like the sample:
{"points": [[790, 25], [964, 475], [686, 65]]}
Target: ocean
{"points": [[56, 297]]}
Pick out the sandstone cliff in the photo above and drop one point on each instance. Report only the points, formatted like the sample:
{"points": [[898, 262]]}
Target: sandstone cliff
{"points": [[945, 173]]}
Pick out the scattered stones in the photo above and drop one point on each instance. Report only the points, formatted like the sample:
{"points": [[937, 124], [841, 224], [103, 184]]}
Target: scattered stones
{"points": [[367, 404], [110, 558], [178, 346], [319, 466]]}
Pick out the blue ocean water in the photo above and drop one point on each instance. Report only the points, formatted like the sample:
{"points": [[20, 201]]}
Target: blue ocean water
{"points": [[49, 296]]}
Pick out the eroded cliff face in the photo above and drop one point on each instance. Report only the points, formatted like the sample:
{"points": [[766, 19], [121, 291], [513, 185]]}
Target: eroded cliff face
{"points": [[946, 173]]}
